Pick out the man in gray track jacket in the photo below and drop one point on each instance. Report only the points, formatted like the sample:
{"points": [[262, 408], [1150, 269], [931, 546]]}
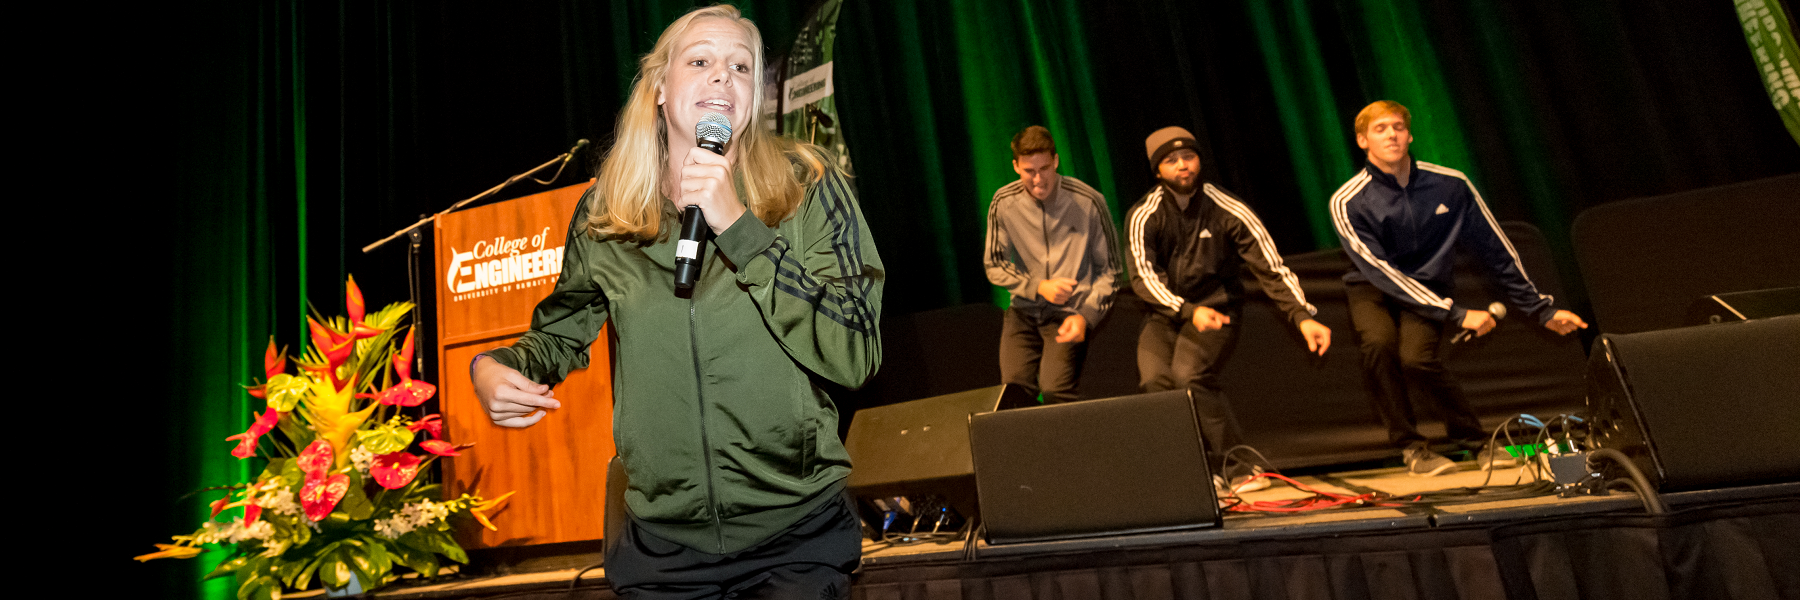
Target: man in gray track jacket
{"points": [[1052, 243]]}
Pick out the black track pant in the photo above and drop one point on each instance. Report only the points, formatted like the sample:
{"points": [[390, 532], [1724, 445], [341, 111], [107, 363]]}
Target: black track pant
{"points": [[1172, 355], [812, 559], [1030, 356], [1399, 346]]}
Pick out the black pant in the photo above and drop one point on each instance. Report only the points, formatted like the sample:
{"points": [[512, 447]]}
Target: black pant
{"points": [[1399, 346], [812, 559], [1030, 356], [1172, 354]]}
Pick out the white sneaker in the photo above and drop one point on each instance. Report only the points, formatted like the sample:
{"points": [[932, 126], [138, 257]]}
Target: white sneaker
{"points": [[1251, 482]]}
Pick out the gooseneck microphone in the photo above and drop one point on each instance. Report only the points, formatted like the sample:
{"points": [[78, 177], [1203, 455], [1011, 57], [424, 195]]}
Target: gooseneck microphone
{"points": [[1499, 312], [712, 133], [570, 156]]}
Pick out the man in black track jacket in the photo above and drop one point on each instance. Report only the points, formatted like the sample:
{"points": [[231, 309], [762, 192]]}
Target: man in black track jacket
{"points": [[1187, 241]]}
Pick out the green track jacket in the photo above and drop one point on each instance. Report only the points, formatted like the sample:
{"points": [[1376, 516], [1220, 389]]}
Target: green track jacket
{"points": [[725, 433]]}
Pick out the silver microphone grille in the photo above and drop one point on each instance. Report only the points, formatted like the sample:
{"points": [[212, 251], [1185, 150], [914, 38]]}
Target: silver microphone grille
{"points": [[1498, 309], [713, 127]]}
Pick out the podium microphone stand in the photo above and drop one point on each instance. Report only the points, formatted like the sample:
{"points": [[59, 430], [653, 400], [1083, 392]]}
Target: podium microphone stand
{"points": [[415, 237]]}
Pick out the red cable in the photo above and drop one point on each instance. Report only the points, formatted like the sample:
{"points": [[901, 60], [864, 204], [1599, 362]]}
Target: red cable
{"points": [[1318, 501]]}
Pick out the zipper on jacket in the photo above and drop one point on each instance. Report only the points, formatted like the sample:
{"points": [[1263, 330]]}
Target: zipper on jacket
{"points": [[712, 497], [1044, 227]]}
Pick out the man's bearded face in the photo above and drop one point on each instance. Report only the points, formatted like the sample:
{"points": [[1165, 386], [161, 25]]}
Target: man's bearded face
{"points": [[1180, 170]]}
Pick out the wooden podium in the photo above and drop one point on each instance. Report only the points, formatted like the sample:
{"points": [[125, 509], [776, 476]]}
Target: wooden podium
{"points": [[494, 263]]}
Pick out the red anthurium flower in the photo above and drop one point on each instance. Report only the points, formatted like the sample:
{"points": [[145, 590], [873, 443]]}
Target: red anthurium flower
{"points": [[408, 393], [395, 469], [320, 494], [316, 458], [433, 425], [442, 448], [218, 506], [247, 440], [253, 511], [335, 346]]}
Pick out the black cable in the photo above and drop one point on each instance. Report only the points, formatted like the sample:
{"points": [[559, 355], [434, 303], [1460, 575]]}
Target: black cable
{"points": [[1642, 494], [976, 532], [1492, 439], [1469, 495], [1652, 501], [1225, 463], [1263, 460], [583, 571]]}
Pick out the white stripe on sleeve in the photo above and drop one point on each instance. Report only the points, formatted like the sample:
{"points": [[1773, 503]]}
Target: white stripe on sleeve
{"points": [[1340, 216], [1139, 216]]}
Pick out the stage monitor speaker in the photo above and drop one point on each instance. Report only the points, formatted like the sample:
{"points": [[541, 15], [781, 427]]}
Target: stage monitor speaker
{"points": [[1744, 306], [1700, 407], [1133, 464], [920, 448]]}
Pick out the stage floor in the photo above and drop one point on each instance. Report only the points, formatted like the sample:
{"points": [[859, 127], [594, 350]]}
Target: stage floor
{"points": [[1237, 527], [1394, 481]]}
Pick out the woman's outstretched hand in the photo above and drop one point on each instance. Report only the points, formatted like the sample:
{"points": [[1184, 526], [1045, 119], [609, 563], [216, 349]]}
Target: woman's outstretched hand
{"points": [[511, 400]]}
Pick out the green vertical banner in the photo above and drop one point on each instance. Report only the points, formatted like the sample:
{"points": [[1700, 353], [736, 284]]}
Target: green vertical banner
{"points": [[808, 97], [1771, 37]]}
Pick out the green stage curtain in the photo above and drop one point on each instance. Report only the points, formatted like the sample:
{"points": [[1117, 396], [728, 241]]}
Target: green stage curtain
{"points": [[282, 136]]}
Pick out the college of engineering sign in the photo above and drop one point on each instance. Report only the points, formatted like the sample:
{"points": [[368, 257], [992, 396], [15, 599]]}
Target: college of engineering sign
{"points": [[495, 266], [495, 262]]}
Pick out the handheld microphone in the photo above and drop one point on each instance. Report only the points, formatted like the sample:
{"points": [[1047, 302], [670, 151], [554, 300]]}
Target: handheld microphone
{"points": [[1499, 312], [712, 133]]}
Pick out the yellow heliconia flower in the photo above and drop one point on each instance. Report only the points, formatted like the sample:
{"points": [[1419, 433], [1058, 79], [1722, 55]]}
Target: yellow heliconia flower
{"points": [[331, 416], [170, 551], [480, 509]]}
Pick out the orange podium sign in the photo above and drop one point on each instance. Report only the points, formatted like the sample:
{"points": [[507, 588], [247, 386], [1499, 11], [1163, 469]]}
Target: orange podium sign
{"points": [[494, 263]]}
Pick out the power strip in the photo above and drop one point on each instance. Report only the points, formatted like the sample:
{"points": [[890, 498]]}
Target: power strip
{"points": [[1571, 473]]}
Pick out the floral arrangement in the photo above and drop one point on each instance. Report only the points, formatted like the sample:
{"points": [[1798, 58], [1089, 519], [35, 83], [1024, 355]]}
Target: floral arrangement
{"points": [[341, 499]]}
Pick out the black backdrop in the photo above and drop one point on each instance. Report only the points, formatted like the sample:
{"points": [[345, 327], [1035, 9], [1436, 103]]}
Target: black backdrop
{"points": [[232, 117]]}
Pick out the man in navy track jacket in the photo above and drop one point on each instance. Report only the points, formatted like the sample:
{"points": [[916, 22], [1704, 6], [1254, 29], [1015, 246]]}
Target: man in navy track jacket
{"points": [[1400, 221]]}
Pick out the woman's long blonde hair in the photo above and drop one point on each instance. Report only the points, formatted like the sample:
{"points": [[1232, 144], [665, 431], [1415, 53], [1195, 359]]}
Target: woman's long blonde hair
{"points": [[775, 170]]}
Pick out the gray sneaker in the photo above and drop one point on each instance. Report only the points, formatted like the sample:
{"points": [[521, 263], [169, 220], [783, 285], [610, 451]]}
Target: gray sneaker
{"points": [[1492, 456], [1422, 462]]}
